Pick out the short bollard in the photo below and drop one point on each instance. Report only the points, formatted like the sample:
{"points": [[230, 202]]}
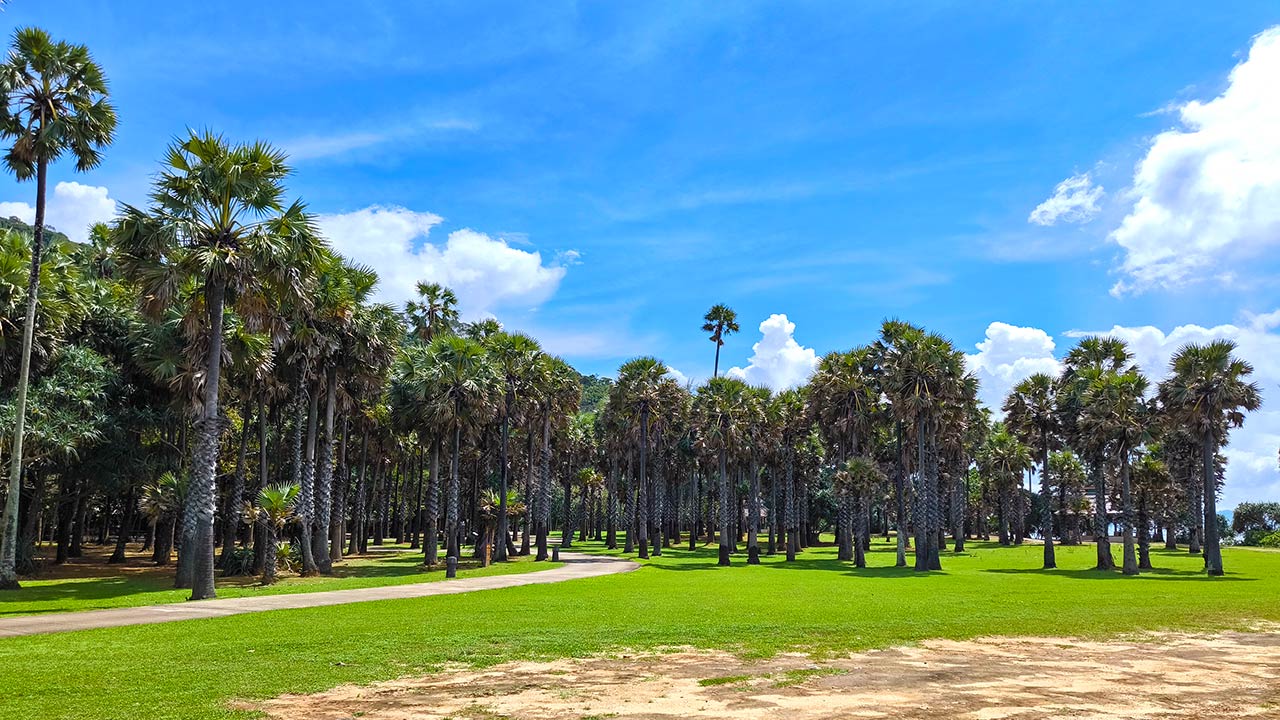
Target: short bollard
{"points": [[555, 554], [451, 567]]}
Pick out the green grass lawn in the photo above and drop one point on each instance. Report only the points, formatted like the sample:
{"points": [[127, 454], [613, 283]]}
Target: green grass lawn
{"points": [[154, 586], [192, 669]]}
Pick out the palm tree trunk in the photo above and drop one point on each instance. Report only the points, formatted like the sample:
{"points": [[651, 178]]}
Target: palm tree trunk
{"points": [[235, 494], [611, 520], [269, 561], [260, 537], [430, 540], [543, 517], [201, 503], [324, 477], [504, 478], [726, 510], [1105, 562], [455, 489], [9, 537], [1126, 516], [530, 500], [1144, 531], [1212, 549], [306, 496], [1050, 559]]}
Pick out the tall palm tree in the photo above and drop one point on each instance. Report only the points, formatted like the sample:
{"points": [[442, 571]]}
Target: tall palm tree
{"points": [[465, 384], [54, 102], [1031, 414], [1003, 460], [1117, 414], [514, 357], [217, 219], [1084, 363], [434, 312], [720, 321], [640, 389], [720, 407], [1209, 392]]}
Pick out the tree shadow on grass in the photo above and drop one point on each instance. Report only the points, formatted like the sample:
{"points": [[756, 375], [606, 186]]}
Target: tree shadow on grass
{"points": [[1095, 574]]}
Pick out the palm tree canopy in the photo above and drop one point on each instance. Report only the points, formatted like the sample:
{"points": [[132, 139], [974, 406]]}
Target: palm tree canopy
{"points": [[720, 320], [1208, 388], [55, 102]]}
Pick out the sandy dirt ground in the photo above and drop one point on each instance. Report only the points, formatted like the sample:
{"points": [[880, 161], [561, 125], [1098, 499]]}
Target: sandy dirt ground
{"points": [[1229, 675]]}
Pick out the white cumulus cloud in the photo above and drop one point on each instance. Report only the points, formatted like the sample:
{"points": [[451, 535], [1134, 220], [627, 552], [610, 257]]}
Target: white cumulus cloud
{"points": [[485, 272], [778, 362], [1206, 197], [1007, 356], [1074, 200], [71, 208]]}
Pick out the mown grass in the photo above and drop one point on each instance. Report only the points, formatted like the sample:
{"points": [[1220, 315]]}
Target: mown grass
{"points": [[109, 586], [194, 669]]}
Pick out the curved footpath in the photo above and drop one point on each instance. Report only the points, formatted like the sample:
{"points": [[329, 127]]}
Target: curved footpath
{"points": [[576, 565]]}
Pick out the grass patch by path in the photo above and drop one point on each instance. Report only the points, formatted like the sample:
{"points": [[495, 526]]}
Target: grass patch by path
{"points": [[193, 669], [97, 586]]}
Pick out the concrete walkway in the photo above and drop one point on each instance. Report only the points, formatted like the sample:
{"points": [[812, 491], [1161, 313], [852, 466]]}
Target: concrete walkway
{"points": [[576, 566]]}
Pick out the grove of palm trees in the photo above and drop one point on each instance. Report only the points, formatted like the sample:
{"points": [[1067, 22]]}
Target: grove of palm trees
{"points": [[207, 404]]}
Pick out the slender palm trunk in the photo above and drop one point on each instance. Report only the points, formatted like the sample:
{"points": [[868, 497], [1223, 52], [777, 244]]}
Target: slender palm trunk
{"points": [[9, 538], [430, 539], [530, 500], [260, 532], [201, 503], [642, 520], [269, 562], [1212, 549], [753, 522], [1050, 559], [451, 501], [543, 518], [1144, 530], [504, 478], [792, 507], [900, 499], [1105, 561], [324, 477], [1130, 566], [726, 510], [235, 493]]}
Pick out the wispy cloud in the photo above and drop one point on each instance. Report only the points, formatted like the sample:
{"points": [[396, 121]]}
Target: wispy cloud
{"points": [[318, 146]]}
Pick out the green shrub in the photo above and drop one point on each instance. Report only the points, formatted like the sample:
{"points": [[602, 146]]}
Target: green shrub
{"points": [[239, 561]]}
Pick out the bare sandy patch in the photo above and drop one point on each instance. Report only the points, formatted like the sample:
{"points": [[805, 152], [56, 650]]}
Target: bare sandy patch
{"points": [[1227, 675]]}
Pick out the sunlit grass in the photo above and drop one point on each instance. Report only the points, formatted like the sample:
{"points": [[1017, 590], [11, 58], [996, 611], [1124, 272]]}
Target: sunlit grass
{"points": [[192, 669]]}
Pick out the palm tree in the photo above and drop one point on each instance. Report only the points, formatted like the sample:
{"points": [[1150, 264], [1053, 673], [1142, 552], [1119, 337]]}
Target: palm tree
{"points": [[719, 409], [465, 382], [856, 478], [277, 503], [1208, 392], [1117, 415], [1003, 459], [1031, 415], [434, 312], [54, 102], [1090, 358], [514, 356], [217, 220], [721, 320], [640, 389]]}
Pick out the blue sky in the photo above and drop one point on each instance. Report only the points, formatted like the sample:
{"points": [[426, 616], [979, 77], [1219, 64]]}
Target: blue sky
{"points": [[832, 163]]}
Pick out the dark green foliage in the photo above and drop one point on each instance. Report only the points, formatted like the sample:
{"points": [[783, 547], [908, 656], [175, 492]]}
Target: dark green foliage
{"points": [[595, 392], [1255, 521], [238, 562]]}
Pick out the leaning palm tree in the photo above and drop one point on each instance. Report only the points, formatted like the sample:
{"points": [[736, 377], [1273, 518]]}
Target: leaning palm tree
{"points": [[720, 321], [217, 220], [1208, 392], [1031, 415], [54, 102]]}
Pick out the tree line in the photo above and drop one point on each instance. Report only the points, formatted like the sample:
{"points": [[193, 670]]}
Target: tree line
{"points": [[207, 374]]}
